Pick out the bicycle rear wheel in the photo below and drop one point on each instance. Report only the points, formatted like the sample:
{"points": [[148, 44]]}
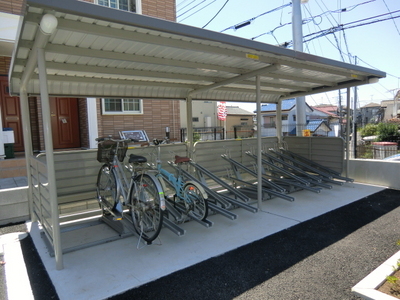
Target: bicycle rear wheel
{"points": [[195, 202], [147, 216], [106, 189]]}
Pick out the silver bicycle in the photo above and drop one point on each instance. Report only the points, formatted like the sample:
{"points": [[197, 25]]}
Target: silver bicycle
{"points": [[141, 196]]}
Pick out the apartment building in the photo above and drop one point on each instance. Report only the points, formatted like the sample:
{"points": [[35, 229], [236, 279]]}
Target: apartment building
{"points": [[76, 122]]}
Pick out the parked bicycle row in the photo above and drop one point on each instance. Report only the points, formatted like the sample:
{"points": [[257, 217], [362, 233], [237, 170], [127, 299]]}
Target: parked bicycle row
{"points": [[150, 196]]}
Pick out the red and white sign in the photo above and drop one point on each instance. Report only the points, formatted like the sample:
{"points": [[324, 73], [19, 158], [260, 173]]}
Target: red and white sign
{"points": [[222, 112]]}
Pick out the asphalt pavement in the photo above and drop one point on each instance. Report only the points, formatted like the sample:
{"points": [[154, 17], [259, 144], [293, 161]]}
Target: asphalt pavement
{"points": [[322, 258]]}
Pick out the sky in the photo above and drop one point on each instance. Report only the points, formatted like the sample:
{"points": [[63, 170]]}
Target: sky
{"points": [[363, 41]]}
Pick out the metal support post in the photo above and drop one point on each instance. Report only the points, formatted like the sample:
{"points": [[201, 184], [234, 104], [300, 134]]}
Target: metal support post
{"points": [[189, 121], [259, 145], [51, 176], [26, 126], [348, 132], [279, 122]]}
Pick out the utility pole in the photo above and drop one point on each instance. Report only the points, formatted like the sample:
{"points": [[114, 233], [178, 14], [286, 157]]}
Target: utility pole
{"points": [[297, 28]]}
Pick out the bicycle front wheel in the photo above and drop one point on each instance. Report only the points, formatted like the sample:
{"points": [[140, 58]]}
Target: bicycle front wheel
{"points": [[147, 216], [106, 189], [195, 202]]}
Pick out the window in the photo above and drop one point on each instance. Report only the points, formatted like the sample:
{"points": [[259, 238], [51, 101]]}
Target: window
{"points": [[113, 106], [284, 118], [195, 119], [294, 117], [129, 5]]}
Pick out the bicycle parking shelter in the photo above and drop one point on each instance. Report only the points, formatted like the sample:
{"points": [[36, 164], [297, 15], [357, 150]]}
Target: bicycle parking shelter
{"points": [[73, 48]]}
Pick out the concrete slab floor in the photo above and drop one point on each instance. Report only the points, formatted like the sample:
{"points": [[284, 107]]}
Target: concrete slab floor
{"points": [[126, 267]]}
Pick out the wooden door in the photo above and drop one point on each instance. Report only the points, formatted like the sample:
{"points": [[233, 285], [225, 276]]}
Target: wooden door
{"points": [[11, 114], [65, 122]]}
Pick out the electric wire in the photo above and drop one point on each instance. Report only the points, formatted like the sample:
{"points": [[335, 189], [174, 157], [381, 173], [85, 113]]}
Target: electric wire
{"points": [[248, 22], [200, 9], [192, 8], [395, 25], [226, 2]]}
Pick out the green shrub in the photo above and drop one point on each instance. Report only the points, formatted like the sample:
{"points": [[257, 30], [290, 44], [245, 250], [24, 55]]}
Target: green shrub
{"points": [[386, 131], [369, 129]]}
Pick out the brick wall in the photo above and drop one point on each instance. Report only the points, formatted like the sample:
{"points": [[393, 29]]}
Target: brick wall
{"points": [[163, 9], [11, 6], [4, 65], [157, 114]]}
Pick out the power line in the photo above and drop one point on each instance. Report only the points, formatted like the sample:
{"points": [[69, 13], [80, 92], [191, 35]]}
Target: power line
{"points": [[216, 13], [248, 22], [311, 19], [332, 30], [193, 7], [395, 25], [196, 10]]}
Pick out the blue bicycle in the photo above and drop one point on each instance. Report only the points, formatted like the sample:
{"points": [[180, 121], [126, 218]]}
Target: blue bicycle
{"points": [[188, 197]]}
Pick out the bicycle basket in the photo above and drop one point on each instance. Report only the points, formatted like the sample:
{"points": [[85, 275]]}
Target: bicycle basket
{"points": [[106, 151]]}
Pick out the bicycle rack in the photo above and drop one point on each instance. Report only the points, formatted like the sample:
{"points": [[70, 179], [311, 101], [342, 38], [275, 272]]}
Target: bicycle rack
{"points": [[309, 165], [200, 171], [314, 179], [250, 186], [213, 195], [293, 182]]}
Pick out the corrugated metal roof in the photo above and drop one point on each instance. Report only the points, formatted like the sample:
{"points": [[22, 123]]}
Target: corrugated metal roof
{"points": [[97, 52]]}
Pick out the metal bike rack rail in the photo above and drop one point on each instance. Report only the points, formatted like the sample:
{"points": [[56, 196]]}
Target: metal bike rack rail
{"points": [[293, 181], [200, 171], [310, 165], [317, 180], [235, 165], [225, 201]]}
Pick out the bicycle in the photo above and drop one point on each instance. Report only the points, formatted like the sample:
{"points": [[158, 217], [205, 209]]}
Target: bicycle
{"points": [[188, 197], [142, 195]]}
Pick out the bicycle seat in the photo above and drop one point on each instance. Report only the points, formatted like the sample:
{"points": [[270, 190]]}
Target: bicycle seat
{"points": [[137, 159], [181, 159]]}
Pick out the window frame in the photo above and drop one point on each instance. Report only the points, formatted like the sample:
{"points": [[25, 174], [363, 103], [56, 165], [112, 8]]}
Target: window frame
{"points": [[130, 4], [123, 112]]}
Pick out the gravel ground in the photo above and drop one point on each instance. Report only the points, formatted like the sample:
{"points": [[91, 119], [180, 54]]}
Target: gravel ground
{"points": [[322, 258]]}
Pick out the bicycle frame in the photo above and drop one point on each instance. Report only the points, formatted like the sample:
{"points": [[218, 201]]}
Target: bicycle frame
{"points": [[176, 182]]}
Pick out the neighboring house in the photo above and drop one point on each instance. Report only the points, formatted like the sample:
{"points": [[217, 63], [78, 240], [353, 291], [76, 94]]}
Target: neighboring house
{"points": [[239, 123], [371, 113], [204, 114], [329, 114], [388, 107], [318, 128], [268, 117], [76, 122]]}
